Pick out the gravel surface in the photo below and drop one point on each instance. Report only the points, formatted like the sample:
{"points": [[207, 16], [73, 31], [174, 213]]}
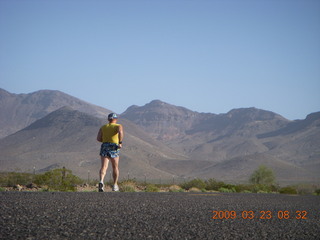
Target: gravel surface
{"points": [[83, 215]]}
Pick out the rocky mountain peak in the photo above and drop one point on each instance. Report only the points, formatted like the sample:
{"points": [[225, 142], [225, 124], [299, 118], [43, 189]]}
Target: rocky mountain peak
{"points": [[162, 120], [64, 117], [253, 114], [159, 108], [4, 93], [156, 102], [168, 122], [20, 110], [312, 117]]}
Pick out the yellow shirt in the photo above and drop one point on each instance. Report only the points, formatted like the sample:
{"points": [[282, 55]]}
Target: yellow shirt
{"points": [[110, 133]]}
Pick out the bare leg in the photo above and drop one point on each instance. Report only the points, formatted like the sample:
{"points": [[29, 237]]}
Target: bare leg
{"points": [[115, 168], [104, 167]]}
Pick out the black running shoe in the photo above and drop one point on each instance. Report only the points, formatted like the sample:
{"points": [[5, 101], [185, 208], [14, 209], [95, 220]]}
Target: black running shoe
{"points": [[101, 187]]}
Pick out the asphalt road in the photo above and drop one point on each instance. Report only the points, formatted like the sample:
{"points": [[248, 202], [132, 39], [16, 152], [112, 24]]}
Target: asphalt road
{"points": [[45, 215]]}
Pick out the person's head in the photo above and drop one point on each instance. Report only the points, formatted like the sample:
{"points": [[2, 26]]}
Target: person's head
{"points": [[112, 117]]}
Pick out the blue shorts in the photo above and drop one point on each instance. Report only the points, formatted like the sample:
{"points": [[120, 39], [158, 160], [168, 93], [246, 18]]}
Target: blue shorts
{"points": [[109, 150]]}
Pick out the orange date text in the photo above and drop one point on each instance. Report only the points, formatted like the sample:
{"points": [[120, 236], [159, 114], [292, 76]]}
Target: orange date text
{"points": [[263, 214]]}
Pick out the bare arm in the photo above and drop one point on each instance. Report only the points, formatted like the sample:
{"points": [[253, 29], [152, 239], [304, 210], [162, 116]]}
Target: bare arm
{"points": [[121, 134], [99, 136]]}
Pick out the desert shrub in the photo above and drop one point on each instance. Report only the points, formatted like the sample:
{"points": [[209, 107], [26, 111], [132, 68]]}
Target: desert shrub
{"points": [[131, 181], [197, 183], [244, 188], [263, 176], [246, 191], [264, 188], [175, 188], [304, 189], [128, 186], [261, 191], [152, 188], [92, 182], [230, 186], [212, 184], [58, 180], [288, 190], [194, 189], [226, 190], [11, 179]]}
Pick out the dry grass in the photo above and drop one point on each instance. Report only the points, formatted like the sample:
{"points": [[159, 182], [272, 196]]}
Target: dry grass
{"points": [[175, 188], [194, 189], [128, 186]]}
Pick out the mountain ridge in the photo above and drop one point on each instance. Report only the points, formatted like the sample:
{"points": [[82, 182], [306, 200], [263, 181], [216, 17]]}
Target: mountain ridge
{"points": [[20, 110], [67, 137], [161, 139]]}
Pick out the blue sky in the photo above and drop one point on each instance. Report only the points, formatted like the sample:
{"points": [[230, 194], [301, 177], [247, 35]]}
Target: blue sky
{"points": [[208, 56]]}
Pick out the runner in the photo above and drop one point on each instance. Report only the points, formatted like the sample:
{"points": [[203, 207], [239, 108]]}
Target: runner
{"points": [[111, 136]]}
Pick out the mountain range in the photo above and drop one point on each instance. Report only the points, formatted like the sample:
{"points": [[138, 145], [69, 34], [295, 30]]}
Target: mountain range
{"points": [[20, 110], [48, 129]]}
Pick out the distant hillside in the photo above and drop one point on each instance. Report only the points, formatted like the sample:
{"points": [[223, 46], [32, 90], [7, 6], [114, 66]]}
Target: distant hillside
{"points": [[297, 143], [163, 121], [161, 140], [168, 122], [67, 138], [20, 110], [230, 146], [206, 136]]}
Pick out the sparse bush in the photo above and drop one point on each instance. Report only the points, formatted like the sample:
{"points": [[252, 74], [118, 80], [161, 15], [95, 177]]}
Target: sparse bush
{"points": [[194, 189], [128, 186], [197, 183], [11, 179], [244, 188], [58, 180], [246, 191], [92, 182], [288, 190], [152, 188], [230, 186], [264, 188], [260, 191], [226, 190], [212, 184], [317, 191], [129, 181], [175, 188], [263, 176], [2, 189], [304, 189]]}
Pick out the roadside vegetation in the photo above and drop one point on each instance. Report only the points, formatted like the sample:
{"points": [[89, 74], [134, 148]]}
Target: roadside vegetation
{"points": [[55, 180], [262, 180]]}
